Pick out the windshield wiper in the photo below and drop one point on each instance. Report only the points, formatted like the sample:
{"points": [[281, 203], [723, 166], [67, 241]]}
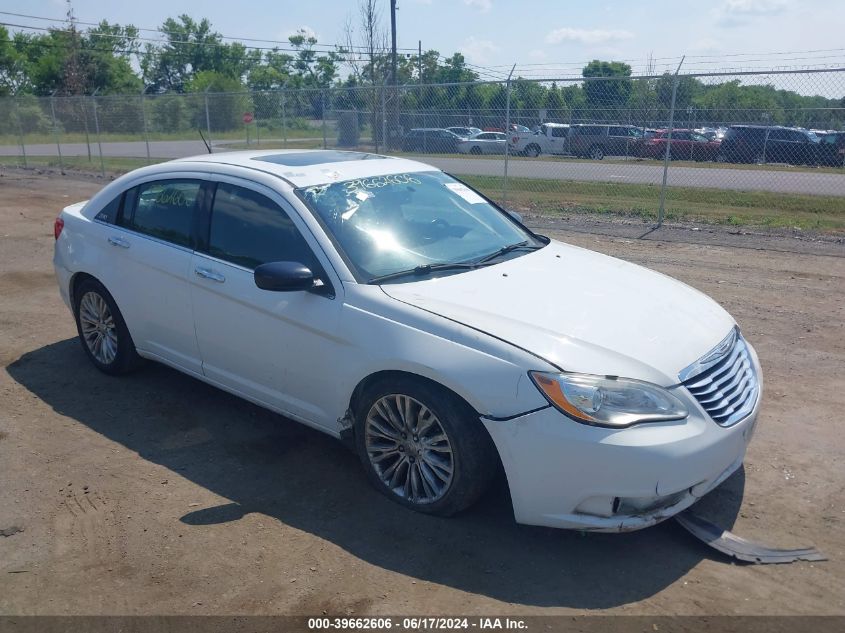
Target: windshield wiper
{"points": [[422, 270], [509, 249]]}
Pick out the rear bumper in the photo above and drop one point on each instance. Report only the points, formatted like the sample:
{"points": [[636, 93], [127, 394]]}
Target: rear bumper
{"points": [[568, 475]]}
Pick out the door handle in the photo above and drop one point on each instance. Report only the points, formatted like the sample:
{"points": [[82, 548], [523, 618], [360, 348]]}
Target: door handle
{"points": [[207, 273], [118, 241]]}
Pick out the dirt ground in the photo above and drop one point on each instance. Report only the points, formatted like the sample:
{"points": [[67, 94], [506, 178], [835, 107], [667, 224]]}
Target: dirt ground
{"points": [[157, 494]]}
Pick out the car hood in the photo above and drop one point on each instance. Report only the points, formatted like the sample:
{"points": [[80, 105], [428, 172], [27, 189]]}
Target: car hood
{"points": [[580, 311]]}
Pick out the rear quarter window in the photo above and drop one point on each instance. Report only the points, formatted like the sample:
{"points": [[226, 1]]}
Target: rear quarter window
{"points": [[109, 212]]}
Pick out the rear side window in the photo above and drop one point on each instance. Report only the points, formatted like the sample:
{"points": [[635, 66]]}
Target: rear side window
{"points": [[559, 132], [249, 229], [109, 212], [165, 209]]}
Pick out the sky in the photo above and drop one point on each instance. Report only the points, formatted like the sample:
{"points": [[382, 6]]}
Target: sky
{"points": [[546, 38]]}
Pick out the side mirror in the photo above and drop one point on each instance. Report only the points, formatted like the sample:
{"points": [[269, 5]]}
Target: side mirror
{"points": [[284, 277], [516, 216]]}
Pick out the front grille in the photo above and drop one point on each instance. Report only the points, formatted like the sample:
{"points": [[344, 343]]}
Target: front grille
{"points": [[724, 380]]}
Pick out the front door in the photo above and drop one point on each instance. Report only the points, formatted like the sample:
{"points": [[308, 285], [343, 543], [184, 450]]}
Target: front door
{"points": [[274, 347]]}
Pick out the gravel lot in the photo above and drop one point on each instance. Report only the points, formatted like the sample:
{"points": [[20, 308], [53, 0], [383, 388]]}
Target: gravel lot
{"points": [[155, 493]]}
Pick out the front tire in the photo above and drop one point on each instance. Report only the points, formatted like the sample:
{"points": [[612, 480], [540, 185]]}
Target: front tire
{"points": [[422, 446], [102, 330], [597, 152]]}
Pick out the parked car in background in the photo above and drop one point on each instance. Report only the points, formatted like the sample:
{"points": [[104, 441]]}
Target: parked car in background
{"points": [[549, 138], [832, 149], [436, 140], [686, 145], [515, 128], [381, 301], [598, 141], [769, 144], [464, 132], [483, 143]]}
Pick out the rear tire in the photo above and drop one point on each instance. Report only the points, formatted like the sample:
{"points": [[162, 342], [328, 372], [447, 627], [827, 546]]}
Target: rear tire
{"points": [[597, 152], [532, 151], [102, 330], [422, 446], [475, 151]]}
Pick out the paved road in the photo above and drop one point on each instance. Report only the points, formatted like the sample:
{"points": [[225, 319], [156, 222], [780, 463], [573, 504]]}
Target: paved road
{"points": [[806, 182]]}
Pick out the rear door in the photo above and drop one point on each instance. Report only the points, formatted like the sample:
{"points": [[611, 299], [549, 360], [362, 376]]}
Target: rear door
{"points": [[149, 258], [273, 347]]}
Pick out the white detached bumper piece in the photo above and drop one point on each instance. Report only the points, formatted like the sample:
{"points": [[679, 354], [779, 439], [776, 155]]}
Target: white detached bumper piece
{"points": [[564, 474]]}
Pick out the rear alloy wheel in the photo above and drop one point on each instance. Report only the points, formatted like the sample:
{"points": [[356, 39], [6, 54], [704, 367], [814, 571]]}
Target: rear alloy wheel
{"points": [[597, 152], [532, 151], [102, 331], [422, 446]]}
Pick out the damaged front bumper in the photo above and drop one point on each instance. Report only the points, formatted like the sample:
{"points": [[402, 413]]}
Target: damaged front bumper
{"points": [[564, 474]]}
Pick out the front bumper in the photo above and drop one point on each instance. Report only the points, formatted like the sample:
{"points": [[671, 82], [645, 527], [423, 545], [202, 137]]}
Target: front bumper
{"points": [[568, 475]]}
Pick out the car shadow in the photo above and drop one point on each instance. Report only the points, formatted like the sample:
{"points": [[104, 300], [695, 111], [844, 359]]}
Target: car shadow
{"points": [[267, 464]]}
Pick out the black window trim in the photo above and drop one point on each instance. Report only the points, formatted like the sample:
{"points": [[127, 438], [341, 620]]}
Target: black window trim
{"points": [[126, 213]]}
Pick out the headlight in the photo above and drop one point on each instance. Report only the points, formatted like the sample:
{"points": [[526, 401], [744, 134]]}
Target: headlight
{"points": [[613, 402]]}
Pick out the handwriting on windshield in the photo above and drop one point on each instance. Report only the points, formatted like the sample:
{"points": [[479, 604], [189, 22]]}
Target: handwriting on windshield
{"points": [[378, 182]]}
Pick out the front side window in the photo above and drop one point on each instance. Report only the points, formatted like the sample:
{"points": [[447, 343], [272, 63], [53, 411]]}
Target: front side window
{"points": [[165, 209], [388, 224], [249, 229]]}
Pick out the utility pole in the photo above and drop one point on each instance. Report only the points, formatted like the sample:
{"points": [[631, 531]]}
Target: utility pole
{"points": [[393, 42], [393, 79], [419, 61]]}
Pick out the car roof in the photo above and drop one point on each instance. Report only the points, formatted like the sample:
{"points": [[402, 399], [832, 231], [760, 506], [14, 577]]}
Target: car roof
{"points": [[303, 168]]}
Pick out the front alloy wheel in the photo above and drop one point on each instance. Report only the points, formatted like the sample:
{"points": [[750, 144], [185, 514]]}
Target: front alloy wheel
{"points": [[422, 446], [408, 449]]}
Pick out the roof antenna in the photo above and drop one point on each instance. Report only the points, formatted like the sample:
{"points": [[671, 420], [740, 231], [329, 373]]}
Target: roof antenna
{"points": [[202, 136]]}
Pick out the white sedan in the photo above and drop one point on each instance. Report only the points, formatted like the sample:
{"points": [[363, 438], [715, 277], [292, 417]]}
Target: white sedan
{"points": [[382, 301], [483, 143]]}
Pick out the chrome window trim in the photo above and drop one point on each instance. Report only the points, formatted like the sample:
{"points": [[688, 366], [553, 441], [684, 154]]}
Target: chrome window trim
{"points": [[124, 229]]}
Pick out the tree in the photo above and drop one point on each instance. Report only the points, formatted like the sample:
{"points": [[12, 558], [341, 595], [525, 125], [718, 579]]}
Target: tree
{"points": [[605, 95], [191, 48], [553, 102]]}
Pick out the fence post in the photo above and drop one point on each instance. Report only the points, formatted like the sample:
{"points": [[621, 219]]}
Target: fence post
{"points": [[144, 119], [56, 131], [20, 132], [284, 117], [85, 123], [507, 134], [323, 113], [662, 208], [207, 115], [97, 131], [384, 120]]}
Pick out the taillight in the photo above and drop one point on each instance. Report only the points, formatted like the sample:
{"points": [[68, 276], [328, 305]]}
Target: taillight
{"points": [[514, 139], [58, 225]]}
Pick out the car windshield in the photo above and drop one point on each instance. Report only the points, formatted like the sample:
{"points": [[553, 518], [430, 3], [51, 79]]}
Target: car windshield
{"points": [[383, 225]]}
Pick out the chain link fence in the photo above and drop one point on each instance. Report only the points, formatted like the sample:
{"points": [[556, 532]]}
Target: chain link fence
{"points": [[753, 147]]}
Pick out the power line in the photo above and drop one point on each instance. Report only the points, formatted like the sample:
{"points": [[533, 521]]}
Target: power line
{"points": [[100, 49], [164, 32]]}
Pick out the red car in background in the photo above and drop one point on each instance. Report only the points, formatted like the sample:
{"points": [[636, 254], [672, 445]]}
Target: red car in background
{"points": [[686, 145]]}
